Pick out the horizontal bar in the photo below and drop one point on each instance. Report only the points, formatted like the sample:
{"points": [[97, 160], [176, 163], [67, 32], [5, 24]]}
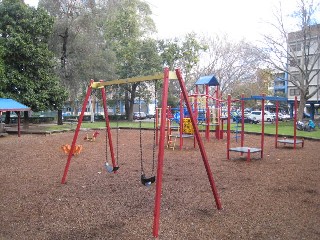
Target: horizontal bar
{"points": [[270, 98], [158, 76]]}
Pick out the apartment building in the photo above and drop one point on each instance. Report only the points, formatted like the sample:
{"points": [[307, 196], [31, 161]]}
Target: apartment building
{"points": [[304, 52], [280, 84]]}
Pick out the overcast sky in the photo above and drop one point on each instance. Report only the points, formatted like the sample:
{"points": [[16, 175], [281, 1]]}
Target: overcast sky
{"points": [[239, 19]]}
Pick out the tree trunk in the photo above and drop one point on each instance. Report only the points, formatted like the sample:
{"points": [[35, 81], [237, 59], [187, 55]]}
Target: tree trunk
{"points": [[64, 49], [7, 118], [26, 120], [127, 107], [301, 107], [59, 122], [129, 101]]}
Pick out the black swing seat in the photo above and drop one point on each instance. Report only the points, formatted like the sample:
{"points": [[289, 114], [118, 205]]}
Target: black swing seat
{"points": [[146, 181], [110, 168], [115, 169]]}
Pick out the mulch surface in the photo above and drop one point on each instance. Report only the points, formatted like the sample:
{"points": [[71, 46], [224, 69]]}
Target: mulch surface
{"points": [[277, 197]]}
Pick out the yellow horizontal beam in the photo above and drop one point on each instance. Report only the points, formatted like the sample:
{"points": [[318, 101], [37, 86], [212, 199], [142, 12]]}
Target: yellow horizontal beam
{"points": [[158, 76]]}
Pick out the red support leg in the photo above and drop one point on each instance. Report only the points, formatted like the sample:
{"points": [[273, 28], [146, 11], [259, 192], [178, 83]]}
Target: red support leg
{"points": [[199, 140], [262, 124], [156, 219], [277, 123], [76, 133], [295, 122], [228, 125]]}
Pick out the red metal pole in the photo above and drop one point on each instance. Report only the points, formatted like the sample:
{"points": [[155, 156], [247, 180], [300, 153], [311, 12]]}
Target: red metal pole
{"points": [[199, 140], [196, 101], [218, 109], [181, 122], [196, 112], [248, 155], [106, 115], [76, 133], [295, 122], [242, 120], [262, 125], [228, 126], [207, 114], [277, 123], [156, 220]]}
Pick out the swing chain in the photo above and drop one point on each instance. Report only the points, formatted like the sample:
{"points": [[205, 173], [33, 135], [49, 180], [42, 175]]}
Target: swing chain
{"points": [[154, 128], [118, 111], [140, 135]]}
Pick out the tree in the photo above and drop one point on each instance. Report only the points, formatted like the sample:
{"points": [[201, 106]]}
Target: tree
{"points": [[297, 52], [1, 71], [128, 34], [28, 64], [232, 63], [256, 86], [78, 44], [183, 53]]}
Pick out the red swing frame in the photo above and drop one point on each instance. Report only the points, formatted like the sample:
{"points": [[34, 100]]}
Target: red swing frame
{"points": [[165, 76]]}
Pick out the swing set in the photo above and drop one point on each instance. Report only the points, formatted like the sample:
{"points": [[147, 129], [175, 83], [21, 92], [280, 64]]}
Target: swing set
{"points": [[147, 180]]}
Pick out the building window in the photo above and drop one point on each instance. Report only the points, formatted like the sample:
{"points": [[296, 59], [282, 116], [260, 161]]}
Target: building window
{"points": [[294, 62], [295, 77], [295, 47], [294, 92]]}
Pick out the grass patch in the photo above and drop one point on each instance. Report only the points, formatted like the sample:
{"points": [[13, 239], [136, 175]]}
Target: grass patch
{"points": [[285, 128]]}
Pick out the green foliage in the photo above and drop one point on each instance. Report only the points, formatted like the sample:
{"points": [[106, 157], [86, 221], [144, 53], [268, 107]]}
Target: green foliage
{"points": [[183, 54], [29, 76], [78, 44], [127, 33], [1, 72]]}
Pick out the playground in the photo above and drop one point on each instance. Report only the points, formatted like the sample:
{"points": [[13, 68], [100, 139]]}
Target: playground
{"points": [[277, 197]]}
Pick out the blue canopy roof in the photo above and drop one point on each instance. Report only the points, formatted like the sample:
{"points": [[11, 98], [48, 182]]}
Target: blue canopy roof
{"points": [[7, 104], [207, 80]]}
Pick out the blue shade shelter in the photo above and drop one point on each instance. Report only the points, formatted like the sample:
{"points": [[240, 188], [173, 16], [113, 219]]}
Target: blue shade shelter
{"points": [[7, 104], [207, 80]]}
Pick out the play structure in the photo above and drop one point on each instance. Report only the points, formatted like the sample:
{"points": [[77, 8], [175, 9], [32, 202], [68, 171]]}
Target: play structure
{"points": [[244, 149], [75, 151], [180, 128], [248, 150], [161, 145], [207, 105], [206, 108], [286, 140], [91, 138]]}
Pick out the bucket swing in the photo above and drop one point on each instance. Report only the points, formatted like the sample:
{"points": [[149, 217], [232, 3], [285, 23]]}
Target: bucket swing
{"points": [[147, 181]]}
